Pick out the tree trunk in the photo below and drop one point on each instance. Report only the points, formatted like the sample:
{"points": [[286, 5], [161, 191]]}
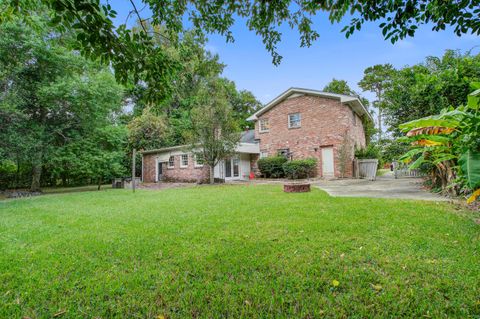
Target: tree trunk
{"points": [[212, 178], [36, 175], [99, 183], [17, 173], [379, 123]]}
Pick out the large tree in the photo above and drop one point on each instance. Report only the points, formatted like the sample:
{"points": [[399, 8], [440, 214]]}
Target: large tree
{"points": [[138, 54], [427, 88], [51, 97], [376, 79], [215, 133]]}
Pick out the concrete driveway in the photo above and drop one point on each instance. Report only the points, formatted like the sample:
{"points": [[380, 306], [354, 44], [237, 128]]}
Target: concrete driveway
{"points": [[385, 186]]}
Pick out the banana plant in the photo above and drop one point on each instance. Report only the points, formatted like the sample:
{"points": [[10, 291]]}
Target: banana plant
{"points": [[449, 142]]}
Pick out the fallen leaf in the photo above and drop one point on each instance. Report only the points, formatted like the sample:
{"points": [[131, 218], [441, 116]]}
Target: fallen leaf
{"points": [[160, 317], [377, 287], [58, 314]]}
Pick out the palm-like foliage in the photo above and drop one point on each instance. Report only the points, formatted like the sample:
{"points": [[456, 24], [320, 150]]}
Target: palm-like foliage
{"points": [[448, 145]]}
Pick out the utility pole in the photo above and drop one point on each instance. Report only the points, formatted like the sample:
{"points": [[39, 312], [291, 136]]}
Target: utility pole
{"points": [[134, 155]]}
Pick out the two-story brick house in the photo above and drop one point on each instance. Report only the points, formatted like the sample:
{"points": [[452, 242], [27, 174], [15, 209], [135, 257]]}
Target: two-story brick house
{"points": [[299, 123]]}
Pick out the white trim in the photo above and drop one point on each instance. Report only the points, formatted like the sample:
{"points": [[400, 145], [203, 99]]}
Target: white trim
{"points": [[260, 125], [352, 101], [181, 161], [195, 163], [168, 165], [299, 120]]}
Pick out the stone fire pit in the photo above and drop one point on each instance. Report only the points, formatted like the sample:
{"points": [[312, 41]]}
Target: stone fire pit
{"points": [[296, 187]]}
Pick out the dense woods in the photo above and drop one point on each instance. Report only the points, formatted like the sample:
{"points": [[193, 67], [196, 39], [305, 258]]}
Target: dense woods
{"points": [[66, 120]]}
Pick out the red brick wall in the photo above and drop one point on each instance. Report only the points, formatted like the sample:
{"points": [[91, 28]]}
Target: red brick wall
{"points": [[176, 174], [148, 168], [324, 122]]}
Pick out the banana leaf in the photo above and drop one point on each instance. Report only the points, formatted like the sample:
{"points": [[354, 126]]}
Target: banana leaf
{"points": [[435, 138], [470, 165], [443, 158], [429, 121], [419, 161], [411, 153]]}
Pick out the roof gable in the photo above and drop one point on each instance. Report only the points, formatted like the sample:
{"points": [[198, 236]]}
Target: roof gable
{"points": [[351, 101]]}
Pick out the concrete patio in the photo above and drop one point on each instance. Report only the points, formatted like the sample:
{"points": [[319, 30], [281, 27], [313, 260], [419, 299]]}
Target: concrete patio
{"points": [[385, 186]]}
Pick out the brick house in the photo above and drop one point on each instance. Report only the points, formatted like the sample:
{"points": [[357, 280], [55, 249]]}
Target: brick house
{"points": [[299, 123]]}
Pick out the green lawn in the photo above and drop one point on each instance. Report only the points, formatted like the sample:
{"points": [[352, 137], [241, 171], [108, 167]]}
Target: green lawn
{"points": [[235, 251]]}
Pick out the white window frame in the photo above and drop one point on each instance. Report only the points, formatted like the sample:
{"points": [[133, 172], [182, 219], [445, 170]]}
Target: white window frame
{"points": [[171, 166], [262, 130], [354, 118], [299, 120], [181, 161], [263, 154], [195, 163]]}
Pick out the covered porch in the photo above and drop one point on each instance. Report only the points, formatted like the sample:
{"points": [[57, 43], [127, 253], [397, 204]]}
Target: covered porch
{"points": [[238, 166]]}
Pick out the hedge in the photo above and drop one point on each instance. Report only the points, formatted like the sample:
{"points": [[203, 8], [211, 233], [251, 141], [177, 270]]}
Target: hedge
{"points": [[272, 166], [302, 168]]}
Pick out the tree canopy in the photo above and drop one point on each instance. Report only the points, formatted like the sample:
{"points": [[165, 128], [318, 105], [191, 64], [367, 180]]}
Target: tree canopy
{"points": [[136, 53], [427, 88], [56, 108]]}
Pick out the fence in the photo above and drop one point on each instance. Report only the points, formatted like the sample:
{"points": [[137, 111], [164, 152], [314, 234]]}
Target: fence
{"points": [[401, 169]]}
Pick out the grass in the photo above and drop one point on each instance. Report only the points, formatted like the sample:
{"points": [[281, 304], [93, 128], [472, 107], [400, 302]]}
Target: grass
{"points": [[235, 251], [382, 171]]}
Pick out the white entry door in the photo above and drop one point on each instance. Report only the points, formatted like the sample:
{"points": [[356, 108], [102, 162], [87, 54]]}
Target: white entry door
{"points": [[327, 161]]}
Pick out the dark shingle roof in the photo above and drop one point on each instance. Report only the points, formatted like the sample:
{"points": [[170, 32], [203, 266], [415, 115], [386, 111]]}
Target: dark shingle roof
{"points": [[248, 137]]}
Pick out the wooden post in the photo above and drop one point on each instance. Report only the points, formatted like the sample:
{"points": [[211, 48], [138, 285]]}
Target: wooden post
{"points": [[134, 155]]}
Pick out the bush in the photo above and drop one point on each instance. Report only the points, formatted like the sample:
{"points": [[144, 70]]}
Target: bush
{"points": [[369, 152], [300, 168], [272, 166], [372, 151]]}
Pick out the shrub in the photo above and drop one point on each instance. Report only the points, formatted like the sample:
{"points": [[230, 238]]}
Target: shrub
{"points": [[369, 152], [300, 168], [272, 166]]}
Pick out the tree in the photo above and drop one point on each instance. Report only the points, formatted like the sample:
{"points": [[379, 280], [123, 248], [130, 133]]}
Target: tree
{"points": [[342, 87], [376, 79], [136, 53], [215, 134], [147, 131], [426, 88], [51, 98]]}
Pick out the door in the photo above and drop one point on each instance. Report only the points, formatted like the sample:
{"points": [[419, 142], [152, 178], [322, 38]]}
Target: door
{"points": [[327, 161], [232, 168], [159, 171]]}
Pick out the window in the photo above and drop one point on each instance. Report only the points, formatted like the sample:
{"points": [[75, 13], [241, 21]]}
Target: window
{"points": [[354, 118], [198, 160], [171, 162], [285, 152], [264, 125], [184, 160], [263, 154], [294, 120]]}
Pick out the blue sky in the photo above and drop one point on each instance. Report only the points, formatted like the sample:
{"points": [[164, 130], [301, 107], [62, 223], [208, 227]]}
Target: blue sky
{"points": [[331, 56]]}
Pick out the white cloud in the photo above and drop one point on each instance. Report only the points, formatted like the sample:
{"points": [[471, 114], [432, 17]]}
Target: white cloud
{"points": [[404, 44], [213, 49]]}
